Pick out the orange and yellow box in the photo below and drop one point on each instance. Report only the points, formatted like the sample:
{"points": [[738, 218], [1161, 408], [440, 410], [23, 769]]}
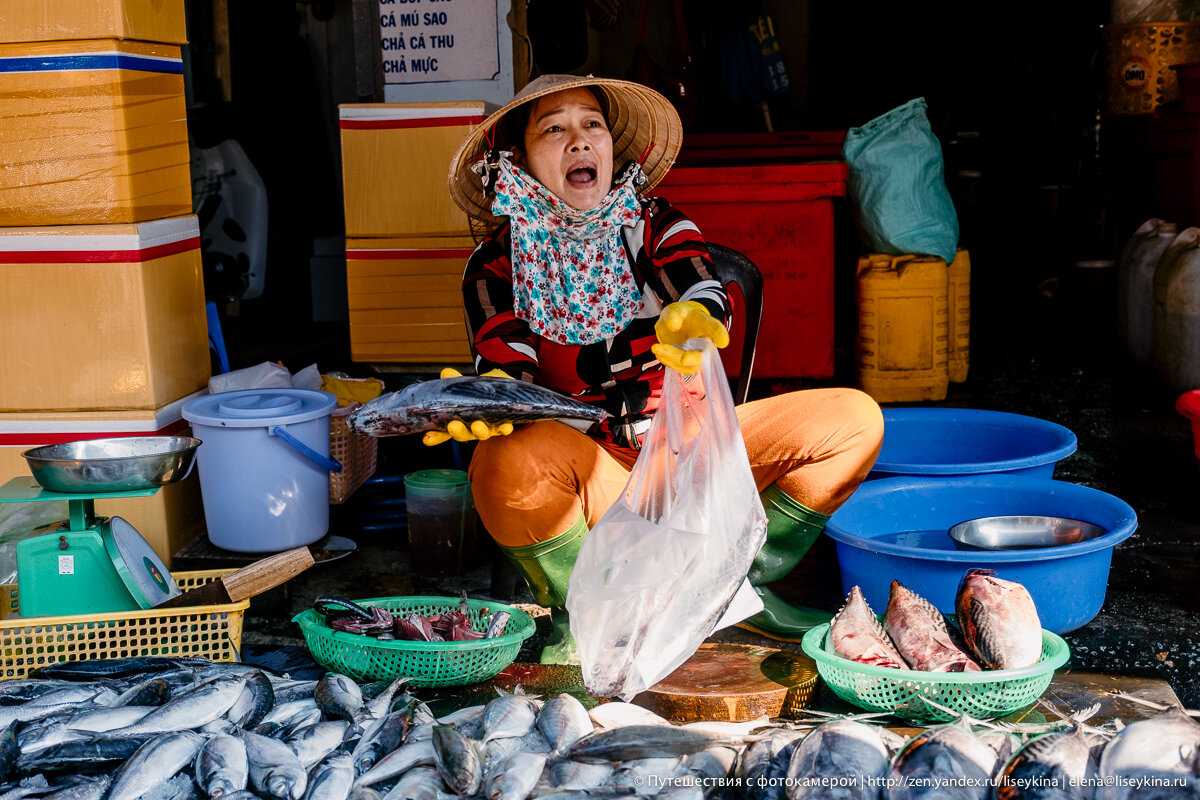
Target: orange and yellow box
{"points": [[56, 20], [92, 132], [395, 159], [405, 298], [167, 520], [101, 317]]}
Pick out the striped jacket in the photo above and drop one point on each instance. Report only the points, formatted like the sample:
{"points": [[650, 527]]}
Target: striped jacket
{"points": [[670, 262]]}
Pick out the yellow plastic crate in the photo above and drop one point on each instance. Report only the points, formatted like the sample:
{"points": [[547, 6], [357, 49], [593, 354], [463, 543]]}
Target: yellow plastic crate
{"points": [[213, 632]]}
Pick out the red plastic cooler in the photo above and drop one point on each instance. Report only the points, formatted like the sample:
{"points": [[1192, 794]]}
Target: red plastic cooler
{"points": [[781, 216]]}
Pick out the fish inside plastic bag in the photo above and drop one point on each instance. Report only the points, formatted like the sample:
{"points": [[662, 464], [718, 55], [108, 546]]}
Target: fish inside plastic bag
{"points": [[658, 572]]}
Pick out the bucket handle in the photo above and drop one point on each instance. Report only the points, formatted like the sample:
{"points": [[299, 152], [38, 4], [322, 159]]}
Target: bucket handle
{"points": [[325, 462]]}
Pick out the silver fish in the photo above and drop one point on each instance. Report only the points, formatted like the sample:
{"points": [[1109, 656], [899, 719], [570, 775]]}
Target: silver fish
{"points": [[999, 620], [399, 761], [380, 704], [509, 715], [339, 697], [155, 762], [380, 738], [419, 783], [150, 692], [857, 635], [709, 765], [430, 405], [639, 741], [286, 713], [274, 769], [47, 704], [753, 761], [943, 761], [457, 760], [256, 699], [618, 714], [467, 721], [564, 721], [10, 751], [332, 778], [514, 777], [222, 766], [567, 775], [922, 635], [92, 787], [288, 690], [80, 725], [836, 754], [201, 705], [82, 754], [1056, 765], [313, 742], [1161, 750], [645, 774]]}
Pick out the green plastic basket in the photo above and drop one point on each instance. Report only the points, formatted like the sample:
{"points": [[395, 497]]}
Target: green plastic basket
{"points": [[982, 695], [365, 658]]}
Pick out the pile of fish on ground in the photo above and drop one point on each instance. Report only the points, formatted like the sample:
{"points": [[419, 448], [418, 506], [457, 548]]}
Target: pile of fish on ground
{"points": [[184, 729], [1000, 628]]}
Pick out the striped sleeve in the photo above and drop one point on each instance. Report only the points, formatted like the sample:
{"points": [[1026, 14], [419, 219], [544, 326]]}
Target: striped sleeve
{"points": [[681, 263], [498, 339]]}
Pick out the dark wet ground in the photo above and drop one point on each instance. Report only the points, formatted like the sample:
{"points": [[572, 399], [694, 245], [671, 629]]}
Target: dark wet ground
{"points": [[1051, 354]]}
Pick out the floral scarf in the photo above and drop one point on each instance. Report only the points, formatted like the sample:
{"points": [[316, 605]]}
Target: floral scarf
{"points": [[571, 278]]}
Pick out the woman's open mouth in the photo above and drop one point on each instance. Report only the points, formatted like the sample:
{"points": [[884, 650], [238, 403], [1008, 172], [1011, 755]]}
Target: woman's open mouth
{"points": [[581, 176]]}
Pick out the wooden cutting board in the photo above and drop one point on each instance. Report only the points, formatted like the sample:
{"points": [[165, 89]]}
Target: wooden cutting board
{"points": [[734, 683]]}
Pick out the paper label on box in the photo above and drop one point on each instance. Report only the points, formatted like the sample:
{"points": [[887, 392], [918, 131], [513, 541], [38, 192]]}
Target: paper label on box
{"points": [[66, 565], [438, 41]]}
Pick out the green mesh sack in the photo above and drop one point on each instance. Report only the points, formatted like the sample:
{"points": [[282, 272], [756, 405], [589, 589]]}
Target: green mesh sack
{"points": [[897, 185]]}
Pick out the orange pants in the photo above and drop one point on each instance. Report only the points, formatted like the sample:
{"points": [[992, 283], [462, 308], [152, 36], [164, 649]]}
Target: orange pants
{"points": [[530, 486]]}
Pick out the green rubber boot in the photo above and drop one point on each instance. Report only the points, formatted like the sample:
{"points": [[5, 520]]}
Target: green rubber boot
{"points": [[546, 568], [791, 530]]}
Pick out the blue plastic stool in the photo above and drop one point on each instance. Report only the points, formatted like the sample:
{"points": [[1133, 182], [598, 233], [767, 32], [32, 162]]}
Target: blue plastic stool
{"points": [[216, 340]]}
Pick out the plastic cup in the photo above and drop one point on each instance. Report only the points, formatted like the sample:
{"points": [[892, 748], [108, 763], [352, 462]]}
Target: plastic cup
{"points": [[441, 521]]}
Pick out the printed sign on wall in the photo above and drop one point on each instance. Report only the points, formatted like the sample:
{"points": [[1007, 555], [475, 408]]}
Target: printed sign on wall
{"points": [[426, 41]]}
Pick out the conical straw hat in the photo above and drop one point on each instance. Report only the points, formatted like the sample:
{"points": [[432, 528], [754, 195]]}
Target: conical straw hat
{"points": [[644, 125]]}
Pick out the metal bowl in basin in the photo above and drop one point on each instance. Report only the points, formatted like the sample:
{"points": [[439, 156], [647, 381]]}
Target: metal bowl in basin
{"points": [[120, 464], [1022, 532]]}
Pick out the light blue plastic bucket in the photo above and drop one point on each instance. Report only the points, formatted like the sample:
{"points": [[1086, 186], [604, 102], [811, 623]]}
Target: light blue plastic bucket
{"points": [[264, 466], [942, 442]]}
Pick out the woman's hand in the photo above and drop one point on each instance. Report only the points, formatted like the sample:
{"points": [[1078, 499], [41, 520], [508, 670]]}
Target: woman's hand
{"points": [[680, 322], [459, 431]]}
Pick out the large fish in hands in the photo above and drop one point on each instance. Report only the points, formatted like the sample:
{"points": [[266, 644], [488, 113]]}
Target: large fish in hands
{"points": [[431, 405]]}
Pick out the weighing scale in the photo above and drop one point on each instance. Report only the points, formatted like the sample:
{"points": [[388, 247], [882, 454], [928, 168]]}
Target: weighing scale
{"points": [[85, 564]]}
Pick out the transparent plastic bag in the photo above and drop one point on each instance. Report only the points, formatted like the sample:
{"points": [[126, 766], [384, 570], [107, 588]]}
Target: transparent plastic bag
{"points": [[655, 575]]}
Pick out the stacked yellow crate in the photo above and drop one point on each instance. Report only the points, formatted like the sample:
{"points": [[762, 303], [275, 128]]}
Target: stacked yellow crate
{"points": [[101, 287], [406, 241]]}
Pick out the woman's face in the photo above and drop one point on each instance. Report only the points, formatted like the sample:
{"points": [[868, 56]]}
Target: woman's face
{"points": [[568, 147]]}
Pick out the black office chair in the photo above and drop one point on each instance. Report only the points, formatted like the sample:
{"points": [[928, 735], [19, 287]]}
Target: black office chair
{"points": [[731, 267]]}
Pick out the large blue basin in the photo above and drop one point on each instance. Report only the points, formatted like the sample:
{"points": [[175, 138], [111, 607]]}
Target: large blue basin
{"points": [[897, 528], [967, 441]]}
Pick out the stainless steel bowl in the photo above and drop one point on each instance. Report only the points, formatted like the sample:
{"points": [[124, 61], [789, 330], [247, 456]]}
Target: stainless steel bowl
{"points": [[120, 464], [1022, 532]]}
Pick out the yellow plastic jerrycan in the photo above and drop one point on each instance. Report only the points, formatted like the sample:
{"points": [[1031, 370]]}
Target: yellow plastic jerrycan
{"points": [[903, 328], [960, 316]]}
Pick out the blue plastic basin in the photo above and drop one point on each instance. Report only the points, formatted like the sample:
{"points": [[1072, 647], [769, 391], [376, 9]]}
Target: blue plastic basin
{"points": [[897, 528], [965, 441]]}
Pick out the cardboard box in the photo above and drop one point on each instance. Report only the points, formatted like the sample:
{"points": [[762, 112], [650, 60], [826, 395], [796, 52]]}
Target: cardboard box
{"points": [[92, 132], [167, 520], [405, 298], [56, 20], [99, 317], [395, 159]]}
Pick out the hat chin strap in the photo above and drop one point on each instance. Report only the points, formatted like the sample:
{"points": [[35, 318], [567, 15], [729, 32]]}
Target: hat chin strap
{"points": [[632, 174]]}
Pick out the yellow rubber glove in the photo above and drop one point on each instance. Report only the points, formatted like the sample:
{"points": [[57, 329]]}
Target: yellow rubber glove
{"points": [[680, 322], [459, 431]]}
